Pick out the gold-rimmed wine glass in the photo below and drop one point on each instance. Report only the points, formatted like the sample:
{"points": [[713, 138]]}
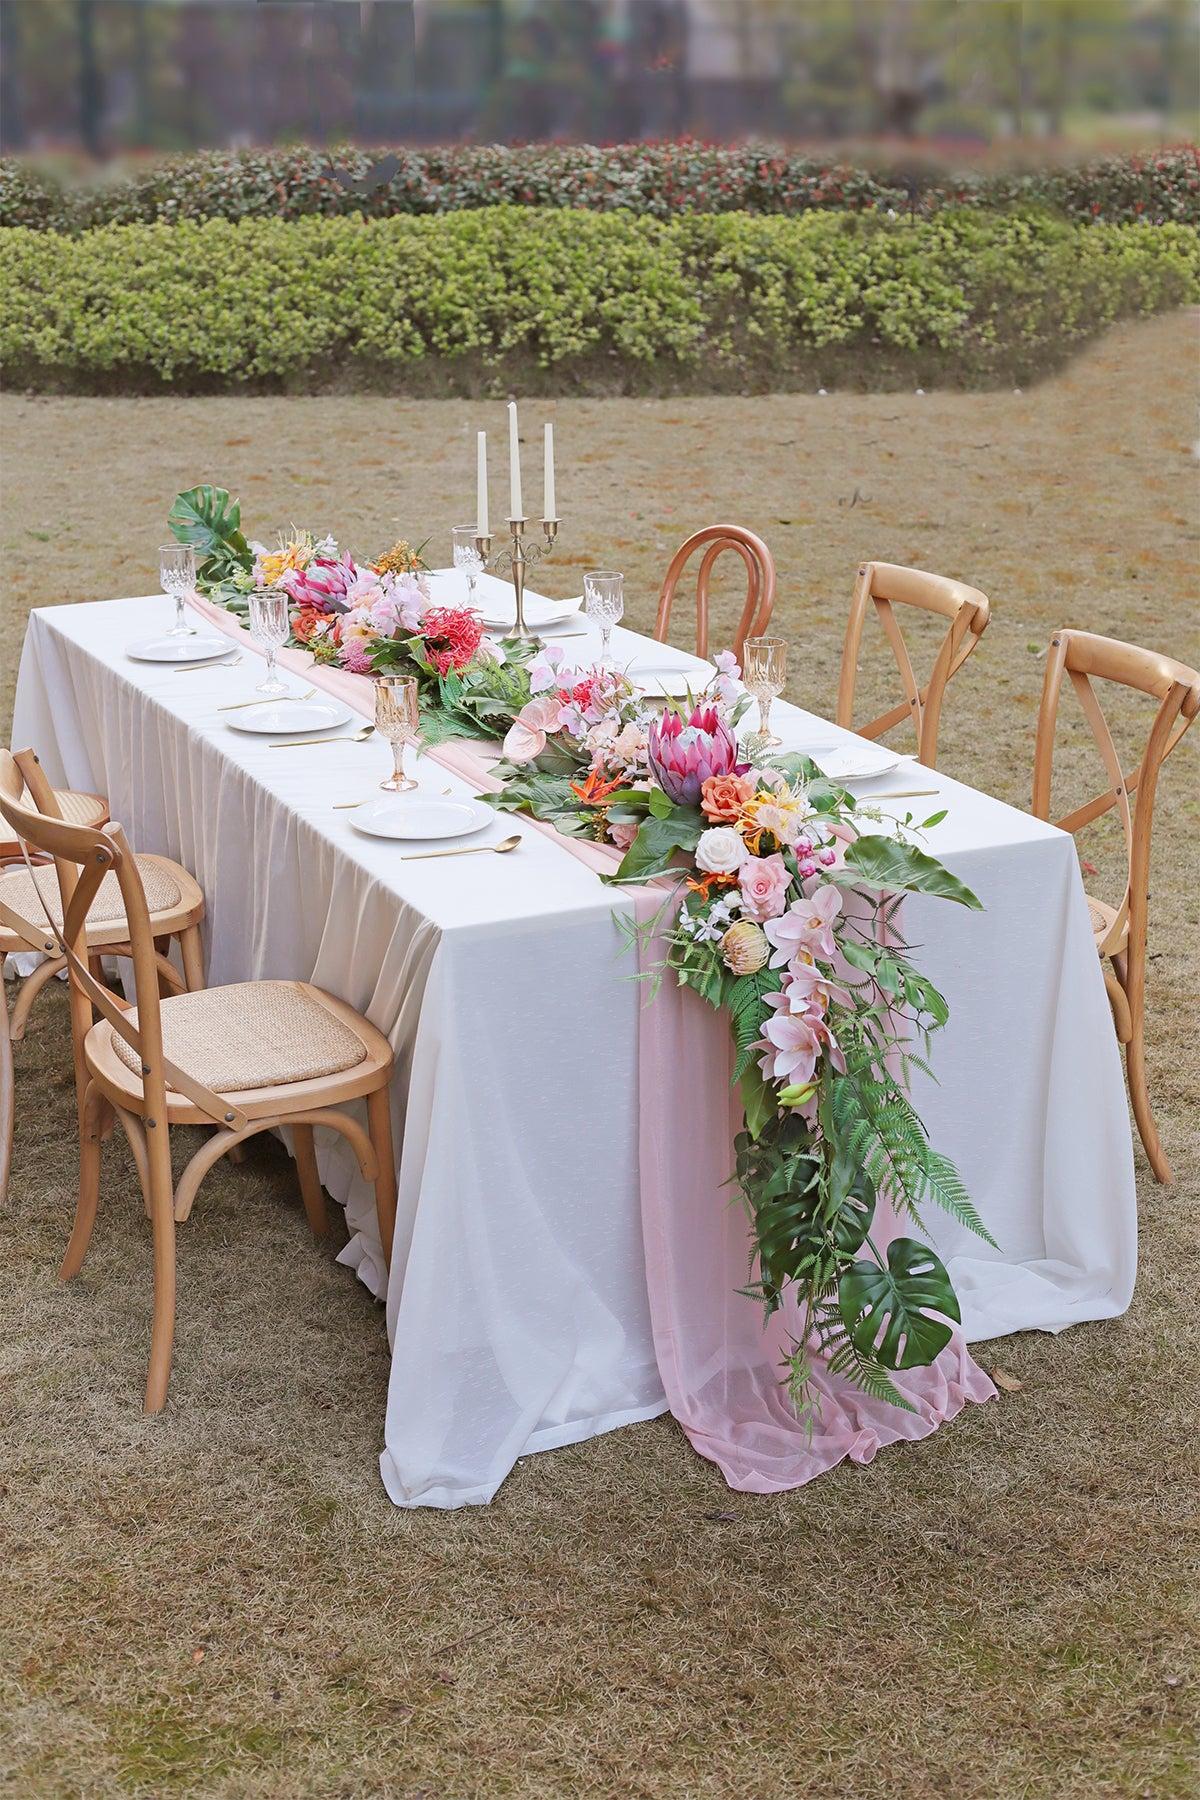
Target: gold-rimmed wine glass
{"points": [[397, 718], [764, 672]]}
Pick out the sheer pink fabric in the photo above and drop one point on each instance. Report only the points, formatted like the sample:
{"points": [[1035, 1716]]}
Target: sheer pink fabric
{"points": [[721, 1370]]}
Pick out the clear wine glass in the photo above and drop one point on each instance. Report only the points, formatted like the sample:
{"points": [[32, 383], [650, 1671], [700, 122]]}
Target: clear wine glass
{"points": [[177, 576], [466, 557], [398, 719], [270, 622], [764, 672], [604, 601]]}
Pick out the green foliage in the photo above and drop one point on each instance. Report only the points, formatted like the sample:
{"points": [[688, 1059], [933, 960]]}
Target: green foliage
{"points": [[698, 298], [210, 521], [886, 1312], [654, 849], [657, 180], [895, 867]]}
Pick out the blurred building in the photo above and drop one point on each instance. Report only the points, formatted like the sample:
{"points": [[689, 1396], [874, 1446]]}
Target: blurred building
{"points": [[113, 76]]}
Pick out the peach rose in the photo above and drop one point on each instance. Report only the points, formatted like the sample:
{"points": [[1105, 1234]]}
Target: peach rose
{"points": [[722, 797]]}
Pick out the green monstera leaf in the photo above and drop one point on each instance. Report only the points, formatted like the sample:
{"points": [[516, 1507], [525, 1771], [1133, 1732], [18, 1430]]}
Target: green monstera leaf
{"points": [[887, 1311], [210, 521], [899, 868]]}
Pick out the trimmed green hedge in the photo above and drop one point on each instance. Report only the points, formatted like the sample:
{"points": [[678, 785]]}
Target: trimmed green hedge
{"points": [[701, 302], [657, 179]]}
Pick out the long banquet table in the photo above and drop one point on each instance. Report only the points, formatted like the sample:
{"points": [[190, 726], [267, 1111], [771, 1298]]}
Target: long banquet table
{"points": [[516, 1306]]}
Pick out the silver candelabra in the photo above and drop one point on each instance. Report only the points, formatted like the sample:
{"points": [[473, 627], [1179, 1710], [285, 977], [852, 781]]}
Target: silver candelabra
{"points": [[518, 554]]}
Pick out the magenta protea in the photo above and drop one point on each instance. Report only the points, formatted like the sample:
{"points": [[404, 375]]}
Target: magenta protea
{"points": [[682, 757], [323, 584]]}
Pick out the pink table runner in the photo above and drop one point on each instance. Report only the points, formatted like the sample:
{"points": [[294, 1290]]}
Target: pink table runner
{"points": [[721, 1370]]}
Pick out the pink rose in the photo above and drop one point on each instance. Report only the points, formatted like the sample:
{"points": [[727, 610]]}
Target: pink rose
{"points": [[764, 884], [622, 832], [527, 734]]}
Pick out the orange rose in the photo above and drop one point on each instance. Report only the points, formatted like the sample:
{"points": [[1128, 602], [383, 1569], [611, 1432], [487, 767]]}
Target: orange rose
{"points": [[306, 622], [722, 797]]}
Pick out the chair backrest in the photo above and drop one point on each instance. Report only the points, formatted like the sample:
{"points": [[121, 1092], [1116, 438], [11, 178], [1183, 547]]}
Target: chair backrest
{"points": [[884, 586], [83, 855], [714, 541], [1080, 655]]}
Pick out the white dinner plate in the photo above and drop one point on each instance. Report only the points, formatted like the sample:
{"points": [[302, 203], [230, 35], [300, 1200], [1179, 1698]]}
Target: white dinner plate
{"points": [[412, 816], [290, 718], [670, 679], [200, 648], [854, 762], [541, 615]]}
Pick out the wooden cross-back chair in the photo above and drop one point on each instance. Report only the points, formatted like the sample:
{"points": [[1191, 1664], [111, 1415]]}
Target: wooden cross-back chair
{"points": [[244, 1058], [1120, 931], [884, 586], [715, 541], [25, 892]]}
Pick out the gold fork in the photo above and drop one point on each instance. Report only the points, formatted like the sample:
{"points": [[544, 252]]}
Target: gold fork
{"points": [[238, 705], [315, 743], [216, 662]]}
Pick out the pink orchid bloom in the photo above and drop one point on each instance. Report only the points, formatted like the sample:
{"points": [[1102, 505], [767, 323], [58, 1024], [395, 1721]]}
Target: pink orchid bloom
{"points": [[806, 930], [791, 1045], [805, 989]]}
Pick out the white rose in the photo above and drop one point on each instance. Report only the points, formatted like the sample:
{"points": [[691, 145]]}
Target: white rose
{"points": [[720, 851]]}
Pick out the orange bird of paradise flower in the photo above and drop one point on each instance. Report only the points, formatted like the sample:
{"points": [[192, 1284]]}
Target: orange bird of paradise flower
{"points": [[595, 790]]}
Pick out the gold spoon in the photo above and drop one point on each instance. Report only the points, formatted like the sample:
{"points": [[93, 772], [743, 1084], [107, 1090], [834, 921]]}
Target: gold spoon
{"points": [[265, 700], [501, 849], [357, 737]]}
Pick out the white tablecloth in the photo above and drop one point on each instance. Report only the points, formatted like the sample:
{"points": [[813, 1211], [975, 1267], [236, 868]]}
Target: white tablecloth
{"points": [[516, 1306]]}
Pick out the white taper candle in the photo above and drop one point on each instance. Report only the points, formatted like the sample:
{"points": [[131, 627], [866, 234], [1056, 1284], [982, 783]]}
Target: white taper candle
{"points": [[515, 510], [481, 493], [548, 511]]}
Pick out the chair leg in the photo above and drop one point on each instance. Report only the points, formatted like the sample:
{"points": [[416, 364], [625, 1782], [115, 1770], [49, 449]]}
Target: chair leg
{"points": [[191, 950], [1135, 1064], [162, 1220], [311, 1191], [28, 992], [379, 1123], [90, 1139], [7, 1103]]}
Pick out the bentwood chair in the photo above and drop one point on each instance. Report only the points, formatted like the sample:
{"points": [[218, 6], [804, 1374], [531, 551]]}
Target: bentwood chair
{"points": [[715, 541], [1119, 931], [245, 1058], [884, 586]]}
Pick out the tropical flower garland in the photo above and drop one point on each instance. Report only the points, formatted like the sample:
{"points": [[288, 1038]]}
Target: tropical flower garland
{"points": [[360, 616], [783, 913], [784, 916]]}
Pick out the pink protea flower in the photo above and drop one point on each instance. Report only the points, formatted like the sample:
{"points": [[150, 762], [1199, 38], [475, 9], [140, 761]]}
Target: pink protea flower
{"points": [[323, 584], [683, 757]]}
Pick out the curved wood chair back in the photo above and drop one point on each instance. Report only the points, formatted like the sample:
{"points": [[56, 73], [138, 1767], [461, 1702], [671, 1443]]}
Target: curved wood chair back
{"points": [[884, 586], [1080, 656], [83, 856], [714, 541]]}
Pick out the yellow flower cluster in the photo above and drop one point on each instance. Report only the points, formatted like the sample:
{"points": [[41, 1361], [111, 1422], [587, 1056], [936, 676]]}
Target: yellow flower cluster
{"points": [[295, 552], [401, 559]]}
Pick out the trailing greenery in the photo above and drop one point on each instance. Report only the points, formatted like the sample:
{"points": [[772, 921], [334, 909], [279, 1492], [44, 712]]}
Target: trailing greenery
{"points": [[704, 300], [658, 180]]}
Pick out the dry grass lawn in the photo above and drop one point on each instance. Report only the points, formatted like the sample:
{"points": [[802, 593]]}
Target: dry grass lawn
{"points": [[221, 1601]]}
